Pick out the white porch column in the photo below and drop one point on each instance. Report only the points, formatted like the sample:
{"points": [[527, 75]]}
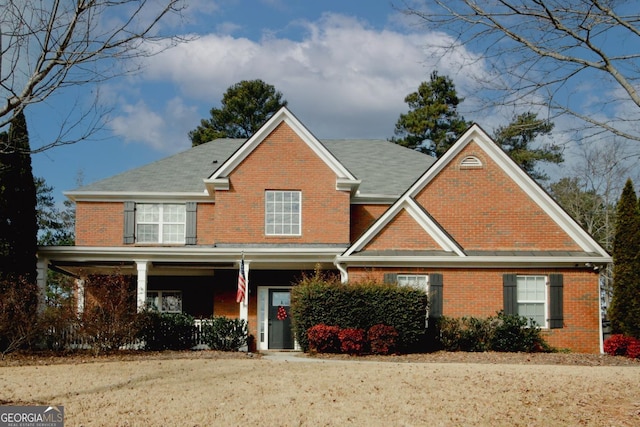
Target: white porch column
{"points": [[41, 279], [80, 296], [244, 304], [142, 267]]}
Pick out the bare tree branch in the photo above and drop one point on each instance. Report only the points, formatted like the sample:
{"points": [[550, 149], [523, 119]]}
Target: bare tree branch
{"points": [[545, 52], [49, 46]]}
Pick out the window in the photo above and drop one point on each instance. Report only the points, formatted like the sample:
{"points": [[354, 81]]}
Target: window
{"points": [[415, 281], [160, 223], [532, 298], [165, 301], [282, 213]]}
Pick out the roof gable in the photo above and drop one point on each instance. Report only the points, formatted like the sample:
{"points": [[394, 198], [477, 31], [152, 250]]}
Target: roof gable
{"points": [[490, 151], [219, 180]]}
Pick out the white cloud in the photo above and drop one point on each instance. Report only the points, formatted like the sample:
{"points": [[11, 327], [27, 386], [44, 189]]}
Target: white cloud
{"points": [[164, 131], [342, 78]]}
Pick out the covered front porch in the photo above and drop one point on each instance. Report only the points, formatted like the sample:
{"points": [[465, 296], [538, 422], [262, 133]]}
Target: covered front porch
{"points": [[201, 283]]}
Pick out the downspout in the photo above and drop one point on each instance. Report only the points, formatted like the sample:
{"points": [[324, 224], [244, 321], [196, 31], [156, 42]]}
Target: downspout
{"points": [[344, 276]]}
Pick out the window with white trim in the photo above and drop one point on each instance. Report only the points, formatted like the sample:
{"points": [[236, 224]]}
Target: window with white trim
{"points": [[413, 280], [160, 223], [282, 213], [165, 301], [532, 298]]}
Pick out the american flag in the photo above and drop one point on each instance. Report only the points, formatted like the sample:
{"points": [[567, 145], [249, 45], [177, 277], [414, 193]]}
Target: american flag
{"points": [[242, 283]]}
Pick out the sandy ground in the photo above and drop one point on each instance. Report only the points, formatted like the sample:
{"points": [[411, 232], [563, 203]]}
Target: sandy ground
{"points": [[265, 391]]}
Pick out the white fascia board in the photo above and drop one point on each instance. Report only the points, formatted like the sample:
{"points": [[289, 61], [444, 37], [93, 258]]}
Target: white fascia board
{"points": [[111, 196], [472, 261], [190, 254], [283, 115]]}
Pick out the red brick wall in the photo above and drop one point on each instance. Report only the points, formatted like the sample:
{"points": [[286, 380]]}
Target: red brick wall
{"points": [[205, 224], [403, 232], [479, 293], [483, 209], [282, 162], [362, 216], [99, 223]]}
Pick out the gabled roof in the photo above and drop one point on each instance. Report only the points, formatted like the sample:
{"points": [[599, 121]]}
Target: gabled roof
{"points": [[383, 169], [590, 248], [219, 180]]}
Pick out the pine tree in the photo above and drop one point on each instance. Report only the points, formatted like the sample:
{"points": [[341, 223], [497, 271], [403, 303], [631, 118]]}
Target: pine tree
{"points": [[432, 124], [624, 310], [18, 225]]}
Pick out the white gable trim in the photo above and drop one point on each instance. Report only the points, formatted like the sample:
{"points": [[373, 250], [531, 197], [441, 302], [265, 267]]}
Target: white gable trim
{"points": [[345, 181], [524, 181], [416, 212]]}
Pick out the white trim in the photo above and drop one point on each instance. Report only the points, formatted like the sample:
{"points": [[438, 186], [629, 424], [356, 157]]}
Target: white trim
{"points": [[412, 208], [142, 267], [520, 178], [80, 296], [149, 197], [219, 180]]}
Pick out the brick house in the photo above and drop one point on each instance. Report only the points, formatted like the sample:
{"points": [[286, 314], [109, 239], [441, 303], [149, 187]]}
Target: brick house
{"points": [[471, 228]]}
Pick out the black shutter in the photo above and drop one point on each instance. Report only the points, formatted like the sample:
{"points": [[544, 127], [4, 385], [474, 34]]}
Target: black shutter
{"points": [[190, 226], [390, 278], [510, 293], [555, 301], [129, 223], [435, 295]]}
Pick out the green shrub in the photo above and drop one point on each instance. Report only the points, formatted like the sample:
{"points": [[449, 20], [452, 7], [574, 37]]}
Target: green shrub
{"points": [[167, 331], [513, 333], [224, 334], [322, 299], [506, 333]]}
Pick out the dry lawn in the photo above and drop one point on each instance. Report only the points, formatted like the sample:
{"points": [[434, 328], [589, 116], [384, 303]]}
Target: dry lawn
{"points": [[209, 389]]}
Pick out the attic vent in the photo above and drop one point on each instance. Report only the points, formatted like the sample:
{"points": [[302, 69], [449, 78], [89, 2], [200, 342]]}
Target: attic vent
{"points": [[470, 162]]}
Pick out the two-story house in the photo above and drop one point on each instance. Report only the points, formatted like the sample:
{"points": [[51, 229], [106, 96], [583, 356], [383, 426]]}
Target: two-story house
{"points": [[471, 228]]}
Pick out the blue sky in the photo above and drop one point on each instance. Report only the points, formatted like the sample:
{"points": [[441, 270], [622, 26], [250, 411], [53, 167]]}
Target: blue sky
{"points": [[344, 67]]}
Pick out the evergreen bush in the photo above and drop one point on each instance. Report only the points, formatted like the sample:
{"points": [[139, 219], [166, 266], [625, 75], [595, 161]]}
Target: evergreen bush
{"points": [[322, 299], [225, 334], [167, 331]]}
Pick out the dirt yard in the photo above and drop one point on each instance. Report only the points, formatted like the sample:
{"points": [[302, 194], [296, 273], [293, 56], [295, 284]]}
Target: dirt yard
{"points": [[444, 389]]}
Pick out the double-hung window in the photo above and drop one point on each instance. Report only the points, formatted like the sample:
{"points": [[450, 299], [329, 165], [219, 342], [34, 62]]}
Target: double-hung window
{"points": [[283, 213], [160, 223], [532, 298]]}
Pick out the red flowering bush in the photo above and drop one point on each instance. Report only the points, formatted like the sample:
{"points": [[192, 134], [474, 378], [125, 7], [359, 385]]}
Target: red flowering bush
{"points": [[352, 341], [382, 339], [633, 349], [619, 345], [323, 339]]}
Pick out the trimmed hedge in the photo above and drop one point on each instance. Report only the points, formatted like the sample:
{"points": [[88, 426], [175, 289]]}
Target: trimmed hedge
{"points": [[322, 299], [167, 331]]}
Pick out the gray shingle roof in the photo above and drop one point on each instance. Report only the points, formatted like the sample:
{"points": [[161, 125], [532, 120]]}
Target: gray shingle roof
{"points": [[383, 167]]}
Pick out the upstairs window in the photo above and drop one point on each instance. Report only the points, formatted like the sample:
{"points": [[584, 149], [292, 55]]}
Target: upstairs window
{"points": [[160, 223], [282, 213]]}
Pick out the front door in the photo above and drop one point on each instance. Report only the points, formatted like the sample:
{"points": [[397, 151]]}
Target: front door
{"points": [[280, 335]]}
